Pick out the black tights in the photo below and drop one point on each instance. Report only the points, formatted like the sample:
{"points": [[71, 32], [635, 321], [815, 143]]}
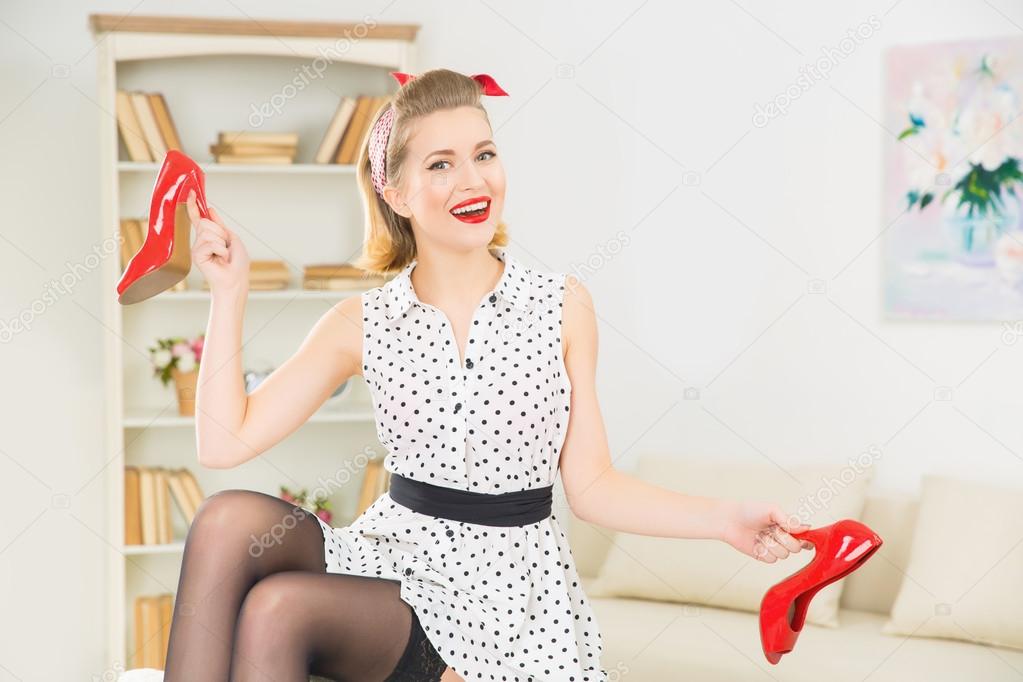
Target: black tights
{"points": [[254, 601]]}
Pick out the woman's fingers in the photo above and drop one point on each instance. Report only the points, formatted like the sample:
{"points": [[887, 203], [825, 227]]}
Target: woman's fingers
{"points": [[787, 541], [209, 249], [193, 210], [777, 542]]}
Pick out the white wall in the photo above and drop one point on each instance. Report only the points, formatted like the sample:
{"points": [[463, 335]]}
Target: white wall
{"points": [[628, 122]]}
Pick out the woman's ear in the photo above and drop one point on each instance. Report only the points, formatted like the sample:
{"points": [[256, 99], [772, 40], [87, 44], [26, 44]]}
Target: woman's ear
{"points": [[397, 203]]}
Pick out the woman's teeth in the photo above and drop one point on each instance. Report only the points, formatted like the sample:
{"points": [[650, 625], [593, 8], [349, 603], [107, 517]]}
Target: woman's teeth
{"points": [[471, 208]]}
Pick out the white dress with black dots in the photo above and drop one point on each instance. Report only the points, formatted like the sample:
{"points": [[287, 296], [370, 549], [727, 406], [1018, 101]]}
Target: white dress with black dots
{"points": [[499, 603]]}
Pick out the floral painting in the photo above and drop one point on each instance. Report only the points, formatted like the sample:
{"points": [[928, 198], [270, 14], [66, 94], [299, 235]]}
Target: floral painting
{"points": [[953, 239]]}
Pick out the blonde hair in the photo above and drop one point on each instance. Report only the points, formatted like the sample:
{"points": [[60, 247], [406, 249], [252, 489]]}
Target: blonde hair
{"points": [[389, 243]]}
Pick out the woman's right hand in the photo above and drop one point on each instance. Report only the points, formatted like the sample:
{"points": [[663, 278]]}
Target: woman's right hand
{"points": [[217, 252]]}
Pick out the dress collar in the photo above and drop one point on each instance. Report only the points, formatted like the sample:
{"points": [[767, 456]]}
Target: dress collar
{"points": [[513, 287]]}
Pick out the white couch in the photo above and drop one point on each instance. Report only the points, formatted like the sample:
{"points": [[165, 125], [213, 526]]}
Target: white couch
{"points": [[652, 640]]}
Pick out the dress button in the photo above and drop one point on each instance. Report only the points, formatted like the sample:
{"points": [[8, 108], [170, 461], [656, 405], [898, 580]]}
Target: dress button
{"points": [[450, 533], [458, 406], [408, 571], [468, 364], [493, 298]]}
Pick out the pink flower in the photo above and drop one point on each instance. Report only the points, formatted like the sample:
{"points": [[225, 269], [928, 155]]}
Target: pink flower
{"points": [[180, 348], [325, 515], [197, 346]]}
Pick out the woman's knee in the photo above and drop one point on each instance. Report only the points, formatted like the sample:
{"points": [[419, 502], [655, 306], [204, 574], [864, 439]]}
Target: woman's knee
{"points": [[268, 613]]}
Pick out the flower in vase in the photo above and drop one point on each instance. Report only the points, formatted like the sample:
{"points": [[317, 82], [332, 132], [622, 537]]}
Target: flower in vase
{"points": [[186, 362], [197, 346], [162, 358]]}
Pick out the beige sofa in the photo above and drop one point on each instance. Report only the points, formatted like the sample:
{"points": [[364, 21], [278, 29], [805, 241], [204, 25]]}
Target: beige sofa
{"points": [[652, 640]]}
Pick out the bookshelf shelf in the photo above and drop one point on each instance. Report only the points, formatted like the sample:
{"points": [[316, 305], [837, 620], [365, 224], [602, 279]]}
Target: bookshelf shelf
{"points": [[170, 548], [242, 168], [147, 419], [299, 213], [289, 294]]}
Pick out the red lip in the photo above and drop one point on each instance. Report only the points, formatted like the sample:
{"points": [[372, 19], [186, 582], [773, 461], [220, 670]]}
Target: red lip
{"points": [[476, 218]]}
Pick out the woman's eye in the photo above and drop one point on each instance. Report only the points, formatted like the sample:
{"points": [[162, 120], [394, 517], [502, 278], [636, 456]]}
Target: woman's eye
{"points": [[433, 166]]}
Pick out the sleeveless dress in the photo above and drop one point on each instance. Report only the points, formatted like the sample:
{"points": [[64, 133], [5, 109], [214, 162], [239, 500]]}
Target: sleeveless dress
{"points": [[498, 603]]}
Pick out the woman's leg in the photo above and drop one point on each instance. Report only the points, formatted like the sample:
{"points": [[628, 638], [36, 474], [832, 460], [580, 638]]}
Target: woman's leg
{"points": [[236, 538], [343, 627]]}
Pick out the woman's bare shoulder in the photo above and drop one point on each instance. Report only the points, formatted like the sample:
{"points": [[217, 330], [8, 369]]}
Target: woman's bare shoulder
{"points": [[343, 323], [578, 317]]}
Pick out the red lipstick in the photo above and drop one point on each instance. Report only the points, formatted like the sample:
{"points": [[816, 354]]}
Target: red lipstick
{"points": [[482, 212]]}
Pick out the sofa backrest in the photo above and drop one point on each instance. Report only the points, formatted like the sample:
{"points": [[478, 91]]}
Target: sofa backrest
{"points": [[872, 587]]}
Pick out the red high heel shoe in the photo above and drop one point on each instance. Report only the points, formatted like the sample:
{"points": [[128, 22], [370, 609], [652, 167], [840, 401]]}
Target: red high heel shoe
{"points": [[839, 549], [165, 257]]}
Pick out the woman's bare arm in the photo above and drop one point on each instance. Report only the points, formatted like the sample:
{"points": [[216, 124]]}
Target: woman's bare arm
{"points": [[600, 494], [232, 427]]}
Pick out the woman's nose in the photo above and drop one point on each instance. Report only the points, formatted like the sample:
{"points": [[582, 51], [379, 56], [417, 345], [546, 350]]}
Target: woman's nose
{"points": [[468, 176]]}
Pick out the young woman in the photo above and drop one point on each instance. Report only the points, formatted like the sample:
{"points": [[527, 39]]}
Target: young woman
{"points": [[482, 375]]}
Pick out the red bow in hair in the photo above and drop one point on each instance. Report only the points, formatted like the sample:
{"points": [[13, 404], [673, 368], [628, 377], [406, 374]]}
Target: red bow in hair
{"points": [[490, 86]]}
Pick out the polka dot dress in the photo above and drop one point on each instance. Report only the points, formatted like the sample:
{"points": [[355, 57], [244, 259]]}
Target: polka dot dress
{"points": [[498, 603]]}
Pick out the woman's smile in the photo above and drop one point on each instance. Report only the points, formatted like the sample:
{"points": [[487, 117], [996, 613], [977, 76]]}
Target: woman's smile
{"points": [[474, 210]]}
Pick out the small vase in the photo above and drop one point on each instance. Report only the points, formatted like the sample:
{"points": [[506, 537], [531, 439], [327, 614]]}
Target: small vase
{"points": [[973, 238], [185, 383]]}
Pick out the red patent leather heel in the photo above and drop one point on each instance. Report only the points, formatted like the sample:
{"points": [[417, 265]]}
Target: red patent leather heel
{"points": [[839, 549], [165, 257]]}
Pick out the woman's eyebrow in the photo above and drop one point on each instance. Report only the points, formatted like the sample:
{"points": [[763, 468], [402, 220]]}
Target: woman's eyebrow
{"points": [[451, 152]]}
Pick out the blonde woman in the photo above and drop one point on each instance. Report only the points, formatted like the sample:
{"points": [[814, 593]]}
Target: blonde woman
{"points": [[481, 371]]}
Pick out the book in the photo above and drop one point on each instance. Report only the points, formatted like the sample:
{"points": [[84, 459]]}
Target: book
{"points": [[253, 159], [254, 149], [131, 239], [257, 137], [130, 129], [333, 270], [165, 609], [150, 129], [332, 137], [192, 487], [163, 121], [348, 149], [181, 496], [339, 283], [148, 492], [132, 525]]}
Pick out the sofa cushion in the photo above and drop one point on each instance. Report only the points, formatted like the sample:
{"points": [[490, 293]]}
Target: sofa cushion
{"points": [[647, 640], [965, 573], [712, 572]]}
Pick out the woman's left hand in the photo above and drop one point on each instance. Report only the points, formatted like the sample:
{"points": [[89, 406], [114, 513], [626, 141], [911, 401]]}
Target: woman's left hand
{"points": [[761, 530]]}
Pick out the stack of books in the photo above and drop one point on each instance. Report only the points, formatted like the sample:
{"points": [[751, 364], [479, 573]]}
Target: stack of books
{"points": [[338, 277], [347, 129], [147, 493], [265, 275], [145, 125], [153, 614], [250, 146], [133, 234]]}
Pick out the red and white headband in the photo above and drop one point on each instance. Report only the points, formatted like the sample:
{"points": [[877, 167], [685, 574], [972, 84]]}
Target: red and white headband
{"points": [[381, 132]]}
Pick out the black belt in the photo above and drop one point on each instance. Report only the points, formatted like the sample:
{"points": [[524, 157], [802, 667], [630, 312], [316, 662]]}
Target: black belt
{"points": [[516, 508]]}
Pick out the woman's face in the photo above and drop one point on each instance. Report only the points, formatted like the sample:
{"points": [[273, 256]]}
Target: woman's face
{"points": [[452, 164]]}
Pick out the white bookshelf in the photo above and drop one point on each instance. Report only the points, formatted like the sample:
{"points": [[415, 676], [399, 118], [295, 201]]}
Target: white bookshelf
{"points": [[211, 73]]}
